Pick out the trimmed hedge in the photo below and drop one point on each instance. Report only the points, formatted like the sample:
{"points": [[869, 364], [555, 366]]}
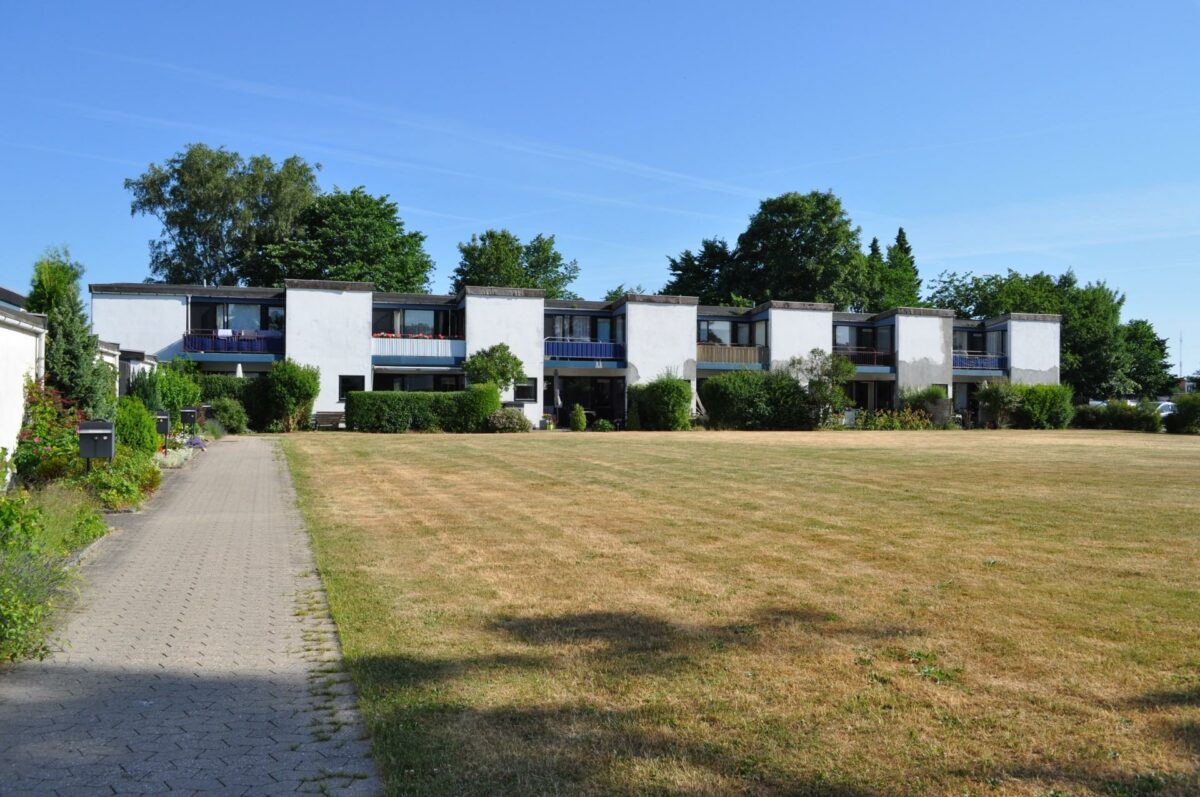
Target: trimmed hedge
{"points": [[664, 404], [1186, 418], [755, 400], [402, 411], [230, 413], [1141, 417], [219, 386], [1028, 406]]}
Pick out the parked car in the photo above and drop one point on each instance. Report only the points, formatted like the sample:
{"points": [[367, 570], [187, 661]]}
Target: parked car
{"points": [[1165, 408]]}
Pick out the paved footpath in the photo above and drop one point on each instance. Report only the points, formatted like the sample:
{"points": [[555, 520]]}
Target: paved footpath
{"points": [[200, 657]]}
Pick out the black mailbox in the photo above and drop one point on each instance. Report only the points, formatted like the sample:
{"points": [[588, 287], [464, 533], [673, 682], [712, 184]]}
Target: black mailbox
{"points": [[97, 440], [162, 423], [187, 416]]}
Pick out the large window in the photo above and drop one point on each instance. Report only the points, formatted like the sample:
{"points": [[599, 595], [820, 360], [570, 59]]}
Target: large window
{"points": [[843, 336], [241, 317], [583, 328], [419, 382], [417, 323], [526, 391], [348, 383]]}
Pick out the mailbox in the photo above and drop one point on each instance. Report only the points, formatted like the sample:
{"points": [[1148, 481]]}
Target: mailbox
{"points": [[97, 440], [162, 423], [205, 413], [187, 416]]}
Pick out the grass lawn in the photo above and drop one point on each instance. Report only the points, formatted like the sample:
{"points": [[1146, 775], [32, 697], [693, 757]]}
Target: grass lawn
{"points": [[844, 613]]}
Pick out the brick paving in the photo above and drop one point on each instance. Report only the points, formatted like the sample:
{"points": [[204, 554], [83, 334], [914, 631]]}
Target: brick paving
{"points": [[200, 657]]}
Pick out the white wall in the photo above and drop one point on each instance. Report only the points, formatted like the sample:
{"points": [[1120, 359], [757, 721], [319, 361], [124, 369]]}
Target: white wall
{"points": [[151, 324], [1033, 352], [330, 329], [924, 354], [518, 322], [659, 337], [795, 333], [21, 355]]}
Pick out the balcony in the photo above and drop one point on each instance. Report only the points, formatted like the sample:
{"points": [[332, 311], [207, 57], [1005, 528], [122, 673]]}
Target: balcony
{"points": [[562, 349], [722, 354], [232, 341], [980, 361], [424, 348], [865, 356]]}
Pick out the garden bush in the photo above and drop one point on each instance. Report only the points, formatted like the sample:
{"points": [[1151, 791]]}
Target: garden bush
{"points": [[29, 584], [135, 426], [221, 386], [144, 387], [176, 390], [1186, 418], [1141, 417], [401, 411], [48, 445], [1000, 402], [230, 414], [603, 425], [578, 419], [1045, 407], [291, 390], [122, 482], [922, 398], [663, 404], [755, 400], [906, 419], [508, 419]]}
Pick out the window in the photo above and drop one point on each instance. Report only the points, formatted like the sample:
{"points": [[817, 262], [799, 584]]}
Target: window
{"points": [[525, 392], [760, 333], [272, 318], [349, 383], [742, 334], [383, 321], [995, 342], [883, 340], [604, 329], [842, 336], [417, 322], [715, 332]]}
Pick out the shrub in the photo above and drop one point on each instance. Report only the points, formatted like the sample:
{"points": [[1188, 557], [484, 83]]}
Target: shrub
{"points": [[291, 390], [230, 414], [663, 404], [69, 518], [508, 419], [122, 482], [1000, 401], [399, 411], [1141, 417], [47, 446], [29, 582], [633, 420], [1045, 407], [755, 400], [135, 426], [603, 425], [496, 364], [922, 398], [1186, 418], [578, 420], [824, 377], [221, 386], [176, 390], [144, 387], [906, 419]]}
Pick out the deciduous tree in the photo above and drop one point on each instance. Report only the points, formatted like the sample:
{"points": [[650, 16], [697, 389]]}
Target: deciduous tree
{"points": [[498, 258]]}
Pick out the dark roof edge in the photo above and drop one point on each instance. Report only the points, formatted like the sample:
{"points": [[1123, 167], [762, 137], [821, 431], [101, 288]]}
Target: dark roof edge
{"points": [[1048, 317], [927, 312], [12, 297], [328, 285], [778, 304], [386, 297], [164, 289], [520, 293], [647, 298], [21, 317]]}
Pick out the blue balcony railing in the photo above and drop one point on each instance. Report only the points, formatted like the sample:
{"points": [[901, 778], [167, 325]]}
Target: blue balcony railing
{"points": [[980, 361], [233, 342], [583, 350]]}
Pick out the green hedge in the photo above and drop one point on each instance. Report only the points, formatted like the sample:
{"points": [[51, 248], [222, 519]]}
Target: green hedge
{"points": [[755, 400], [230, 413], [1028, 406], [135, 426], [1141, 417], [664, 404], [402, 411], [219, 386], [1186, 418]]}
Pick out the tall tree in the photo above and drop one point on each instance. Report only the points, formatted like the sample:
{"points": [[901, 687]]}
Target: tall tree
{"points": [[874, 266], [621, 290], [498, 258], [347, 235], [218, 211], [900, 283], [705, 273], [802, 247], [1149, 367], [73, 362]]}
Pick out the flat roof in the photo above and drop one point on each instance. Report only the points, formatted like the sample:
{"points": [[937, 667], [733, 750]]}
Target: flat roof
{"points": [[12, 297], [165, 289]]}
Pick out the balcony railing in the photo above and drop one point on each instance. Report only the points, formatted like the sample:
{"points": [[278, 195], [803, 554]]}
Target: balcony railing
{"points": [[865, 356], [721, 353], [981, 360], [205, 341], [559, 349], [418, 347]]}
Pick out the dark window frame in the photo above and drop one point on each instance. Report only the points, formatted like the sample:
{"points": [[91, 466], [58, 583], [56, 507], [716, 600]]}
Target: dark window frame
{"points": [[352, 379]]}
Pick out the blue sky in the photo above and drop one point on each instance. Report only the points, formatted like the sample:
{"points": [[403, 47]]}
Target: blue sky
{"points": [[1036, 136]]}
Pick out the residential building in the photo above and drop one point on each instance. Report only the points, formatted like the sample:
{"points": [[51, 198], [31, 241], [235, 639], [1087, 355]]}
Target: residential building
{"points": [[22, 356], [583, 352]]}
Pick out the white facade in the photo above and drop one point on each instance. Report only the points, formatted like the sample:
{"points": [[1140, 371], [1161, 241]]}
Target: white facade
{"points": [[515, 317], [331, 329], [796, 330], [660, 338], [1032, 348], [924, 349], [150, 323], [22, 355]]}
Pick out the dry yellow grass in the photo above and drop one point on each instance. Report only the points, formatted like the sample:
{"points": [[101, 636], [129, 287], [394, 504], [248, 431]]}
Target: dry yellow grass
{"points": [[719, 613]]}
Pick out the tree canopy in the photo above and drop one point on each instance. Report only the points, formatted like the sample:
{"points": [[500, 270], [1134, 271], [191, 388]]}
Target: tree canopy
{"points": [[498, 258], [73, 364], [347, 235], [219, 211], [799, 247]]}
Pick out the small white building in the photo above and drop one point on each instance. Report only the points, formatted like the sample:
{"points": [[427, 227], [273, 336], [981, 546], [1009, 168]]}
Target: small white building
{"points": [[22, 356]]}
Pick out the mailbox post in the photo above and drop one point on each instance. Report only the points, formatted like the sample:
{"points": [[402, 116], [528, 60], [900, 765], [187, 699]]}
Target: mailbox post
{"points": [[187, 416], [162, 424], [97, 440]]}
